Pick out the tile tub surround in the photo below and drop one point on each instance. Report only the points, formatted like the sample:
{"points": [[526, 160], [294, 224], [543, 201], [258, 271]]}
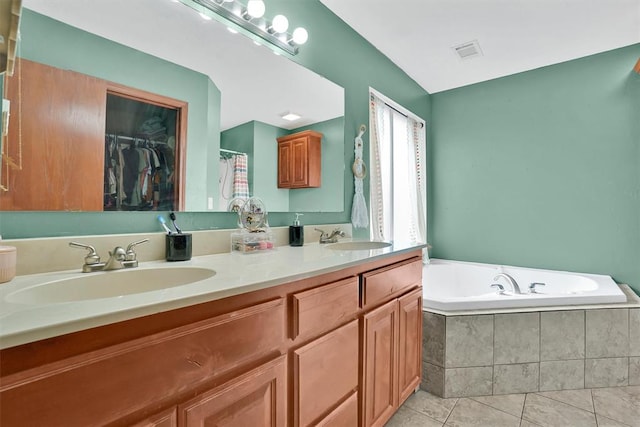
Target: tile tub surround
{"points": [[538, 351]]}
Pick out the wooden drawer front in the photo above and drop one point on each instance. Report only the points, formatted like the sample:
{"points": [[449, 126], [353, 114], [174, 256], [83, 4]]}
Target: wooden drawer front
{"points": [[102, 386], [319, 310], [256, 399], [379, 285], [345, 415], [325, 371]]}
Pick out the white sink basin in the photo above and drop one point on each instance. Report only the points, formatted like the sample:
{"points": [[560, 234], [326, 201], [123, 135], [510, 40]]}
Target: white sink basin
{"points": [[88, 286], [364, 245]]}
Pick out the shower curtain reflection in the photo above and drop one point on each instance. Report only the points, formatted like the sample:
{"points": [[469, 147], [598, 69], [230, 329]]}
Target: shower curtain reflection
{"points": [[233, 182]]}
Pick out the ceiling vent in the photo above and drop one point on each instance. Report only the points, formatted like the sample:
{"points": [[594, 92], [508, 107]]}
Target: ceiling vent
{"points": [[468, 50]]}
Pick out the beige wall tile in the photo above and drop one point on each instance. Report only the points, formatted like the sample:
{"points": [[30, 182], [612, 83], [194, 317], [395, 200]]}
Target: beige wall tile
{"points": [[634, 371], [520, 378], [432, 379], [634, 332], [469, 341], [607, 333], [462, 382], [562, 335], [433, 327], [516, 338], [611, 372], [562, 375]]}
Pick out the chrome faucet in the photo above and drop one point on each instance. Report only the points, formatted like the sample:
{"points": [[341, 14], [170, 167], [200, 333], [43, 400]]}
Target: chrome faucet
{"points": [[330, 238], [510, 280], [118, 258]]}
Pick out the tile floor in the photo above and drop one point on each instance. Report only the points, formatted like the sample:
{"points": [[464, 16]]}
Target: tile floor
{"points": [[598, 407]]}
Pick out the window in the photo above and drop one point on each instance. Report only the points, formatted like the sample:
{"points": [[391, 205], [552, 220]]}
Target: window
{"points": [[398, 191]]}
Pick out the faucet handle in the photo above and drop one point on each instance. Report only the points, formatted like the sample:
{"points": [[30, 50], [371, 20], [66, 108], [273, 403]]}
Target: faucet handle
{"points": [[532, 287], [323, 234], [130, 253], [500, 288], [92, 256]]}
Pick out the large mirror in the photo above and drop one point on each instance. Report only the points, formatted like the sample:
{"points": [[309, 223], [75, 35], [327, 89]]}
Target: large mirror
{"points": [[236, 91]]}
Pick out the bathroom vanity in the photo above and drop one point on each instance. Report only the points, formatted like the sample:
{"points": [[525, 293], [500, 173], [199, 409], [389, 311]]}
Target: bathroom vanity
{"points": [[336, 341]]}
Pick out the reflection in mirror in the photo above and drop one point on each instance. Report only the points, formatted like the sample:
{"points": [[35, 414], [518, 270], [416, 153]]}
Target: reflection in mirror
{"points": [[236, 92]]}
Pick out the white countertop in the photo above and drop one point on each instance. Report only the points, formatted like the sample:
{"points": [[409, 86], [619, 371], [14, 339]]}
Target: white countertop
{"points": [[235, 274]]}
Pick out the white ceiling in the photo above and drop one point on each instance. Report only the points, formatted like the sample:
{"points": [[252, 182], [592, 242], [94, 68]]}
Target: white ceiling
{"points": [[514, 35], [255, 83]]}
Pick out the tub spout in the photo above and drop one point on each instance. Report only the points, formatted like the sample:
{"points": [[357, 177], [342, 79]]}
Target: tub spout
{"points": [[510, 280]]}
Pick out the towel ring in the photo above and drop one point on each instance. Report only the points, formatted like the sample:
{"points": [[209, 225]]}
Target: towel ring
{"points": [[359, 169]]}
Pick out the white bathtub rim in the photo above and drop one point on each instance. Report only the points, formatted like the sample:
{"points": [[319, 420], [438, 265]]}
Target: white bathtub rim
{"points": [[490, 303]]}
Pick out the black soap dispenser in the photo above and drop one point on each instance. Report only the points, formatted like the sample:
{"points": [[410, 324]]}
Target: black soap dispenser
{"points": [[296, 232]]}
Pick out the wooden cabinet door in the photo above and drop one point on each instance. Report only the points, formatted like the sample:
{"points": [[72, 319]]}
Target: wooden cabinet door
{"points": [[256, 399], [300, 162], [410, 343], [285, 155], [380, 364], [325, 371]]}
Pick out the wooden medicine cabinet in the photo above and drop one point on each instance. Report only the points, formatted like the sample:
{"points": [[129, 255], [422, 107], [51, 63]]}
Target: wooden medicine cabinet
{"points": [[299, 160]]}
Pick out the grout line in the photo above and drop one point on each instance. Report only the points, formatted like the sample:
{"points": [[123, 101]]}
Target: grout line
{"points": [[493, 407], [568, 404], [451, 412]]}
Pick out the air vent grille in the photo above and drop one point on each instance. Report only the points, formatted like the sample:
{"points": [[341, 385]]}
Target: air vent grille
{"points": [[468, 50]]}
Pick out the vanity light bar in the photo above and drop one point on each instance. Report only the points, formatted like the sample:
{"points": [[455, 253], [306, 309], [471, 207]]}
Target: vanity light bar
{"points": [[233, 11]]}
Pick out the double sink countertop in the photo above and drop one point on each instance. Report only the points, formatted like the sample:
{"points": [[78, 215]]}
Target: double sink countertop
{"points": [[24, 320]]}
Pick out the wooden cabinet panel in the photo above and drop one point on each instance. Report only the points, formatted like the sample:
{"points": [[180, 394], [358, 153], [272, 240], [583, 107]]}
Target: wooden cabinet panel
{"points": [[300, 160], [256, 399], [380, 354], [62, 123], [345, 415], [380, 285], [324, 372], [318, 310], [410, 342], [168, 418], [103, 386]]}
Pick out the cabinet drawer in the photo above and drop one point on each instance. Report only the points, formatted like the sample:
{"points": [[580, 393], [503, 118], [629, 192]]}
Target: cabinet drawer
{"points": [[345, 415], [320, 309], [257, 398], [380, 285], [101, 387], [325, 371]]}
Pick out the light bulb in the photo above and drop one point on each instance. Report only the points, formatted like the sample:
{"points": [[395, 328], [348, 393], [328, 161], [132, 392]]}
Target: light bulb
{"points": [[280, 23], [300, 36], [255, 8]]}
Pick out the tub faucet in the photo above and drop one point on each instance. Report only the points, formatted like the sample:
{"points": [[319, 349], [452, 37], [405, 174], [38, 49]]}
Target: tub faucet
{"points": [[330, 238], [510, 280]]}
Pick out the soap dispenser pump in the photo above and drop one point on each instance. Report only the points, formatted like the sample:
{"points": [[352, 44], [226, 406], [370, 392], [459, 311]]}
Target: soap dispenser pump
{"points": [[296, 232]]}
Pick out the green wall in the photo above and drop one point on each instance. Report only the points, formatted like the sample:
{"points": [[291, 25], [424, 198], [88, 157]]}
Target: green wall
{"points": [[542, 168], [335, 51]]}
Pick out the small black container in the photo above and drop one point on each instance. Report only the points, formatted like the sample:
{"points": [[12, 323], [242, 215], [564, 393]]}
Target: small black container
{"points": [[296, 232], [178, 247]]}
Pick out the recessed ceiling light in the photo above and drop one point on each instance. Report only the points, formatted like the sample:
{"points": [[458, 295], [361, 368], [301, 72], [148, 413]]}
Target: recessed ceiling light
{"points": [[232, 31], [205, 17], [290, 116]]}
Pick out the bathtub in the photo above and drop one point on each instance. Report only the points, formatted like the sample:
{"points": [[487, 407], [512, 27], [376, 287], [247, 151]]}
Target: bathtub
{"points": [[457, 285]]}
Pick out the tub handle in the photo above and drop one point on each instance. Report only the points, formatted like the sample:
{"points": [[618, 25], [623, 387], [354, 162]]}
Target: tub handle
{"points": [[532, 287], [500, 288]]}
